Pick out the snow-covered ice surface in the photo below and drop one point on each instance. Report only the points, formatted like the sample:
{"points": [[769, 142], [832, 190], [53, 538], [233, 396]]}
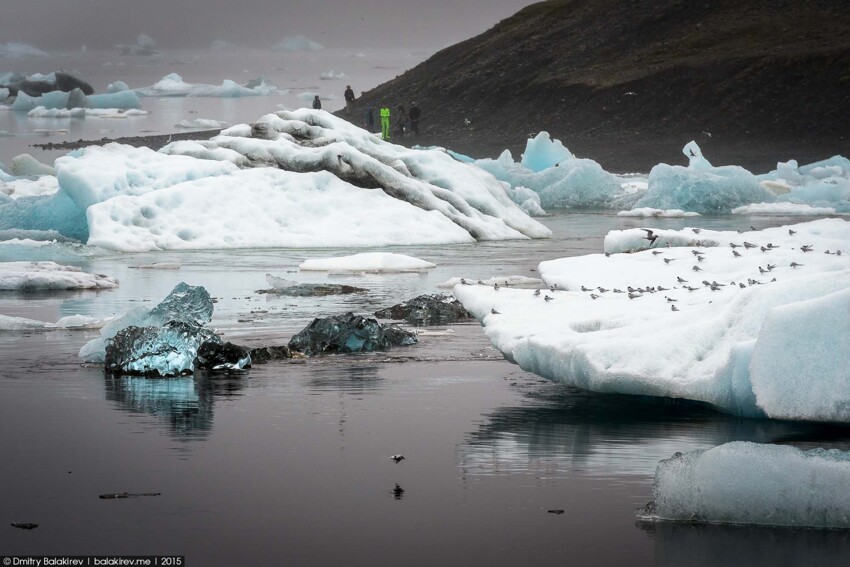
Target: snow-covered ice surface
{"points": [[649, 212], [508, 281], [783, 209], [721, 345], [31, 276], [29, 186], [293, 179], [751, 483], [374, 262]]}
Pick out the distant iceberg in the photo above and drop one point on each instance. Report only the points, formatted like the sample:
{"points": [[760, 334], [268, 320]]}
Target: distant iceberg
{"points": [[753, 484], [375, 262], [14, 49], [764, 333], [75, 100], [296, 43], [174, 85]]}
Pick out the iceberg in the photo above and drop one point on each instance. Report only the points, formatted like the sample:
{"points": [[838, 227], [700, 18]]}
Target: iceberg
{"points": [[782, 209], [658, 213], [296, 43], [294, 179], [15, 49], [174, 85], [754, 484], [207, 123], [169, 350], [560, 179], [187, 304], [213, 356], [124, 100], [332, 75], [294, 289], [426, 310], [376, 262], [16, 324], [32, 276], [701, 187], [708, 330], [348, 333]]}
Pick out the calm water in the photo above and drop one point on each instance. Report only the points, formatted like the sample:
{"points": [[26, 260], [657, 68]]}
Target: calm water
{"points": [[288, 464]]}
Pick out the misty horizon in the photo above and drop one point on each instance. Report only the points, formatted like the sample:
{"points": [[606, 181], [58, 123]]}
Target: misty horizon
{"points": [[103, 24]]}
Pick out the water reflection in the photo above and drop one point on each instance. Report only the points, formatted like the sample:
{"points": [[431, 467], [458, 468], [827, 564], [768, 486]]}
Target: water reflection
{"points": [[563, 431], [711, 545], [184, 404], [330, 375]]}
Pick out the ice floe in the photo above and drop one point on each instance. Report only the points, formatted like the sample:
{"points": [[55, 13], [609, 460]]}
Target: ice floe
{"points": [[754, 484], [782, 209], [296, 43], [174, 85], [31, 276], [42, 112], [649, 212], [81, 322], [375, 262], [702, 323]]}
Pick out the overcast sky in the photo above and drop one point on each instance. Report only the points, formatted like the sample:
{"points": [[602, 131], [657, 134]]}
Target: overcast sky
{"points": [[57, 24]]}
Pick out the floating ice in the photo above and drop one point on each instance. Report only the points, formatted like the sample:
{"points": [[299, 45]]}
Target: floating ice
{"points": [[26, 165], [169, 350], [720, 345], [332, 75], [560, 179], [426, 310], [124, 100], [657, 213], [30, 276], [378, 262], [42, 112], [15, 49], [202, 123], [187, 304], [72, 322], [308, 140], [296, 43], [347, 334], [296, 289], [29, 186], [702, 188], [750, 483], [782, 209], [174, 85]]}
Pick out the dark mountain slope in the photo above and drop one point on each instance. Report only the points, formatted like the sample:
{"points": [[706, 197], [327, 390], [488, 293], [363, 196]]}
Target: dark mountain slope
{"points": [[629, 83]]}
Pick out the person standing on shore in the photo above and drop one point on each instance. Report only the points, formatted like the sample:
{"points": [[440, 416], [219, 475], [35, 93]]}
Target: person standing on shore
{"points": [[369, 119], [349, 95], [317, 104], [385, 122], [401, 120], [414, 115]]}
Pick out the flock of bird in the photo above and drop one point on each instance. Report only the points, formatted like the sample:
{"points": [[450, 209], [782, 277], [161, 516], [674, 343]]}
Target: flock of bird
{"points": [[699, 257]]}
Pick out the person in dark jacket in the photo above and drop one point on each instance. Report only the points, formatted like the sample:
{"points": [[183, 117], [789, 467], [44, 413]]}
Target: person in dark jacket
{"points": [[414, 116], [317, 104], [401, 120], [369, 119], [349, 95]]}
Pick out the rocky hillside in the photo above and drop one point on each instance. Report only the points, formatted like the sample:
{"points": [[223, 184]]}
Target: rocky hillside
{"points": [[628, 83]]}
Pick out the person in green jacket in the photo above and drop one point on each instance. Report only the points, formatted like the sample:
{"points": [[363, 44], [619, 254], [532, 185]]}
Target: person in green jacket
{"points": [[385, 122]]}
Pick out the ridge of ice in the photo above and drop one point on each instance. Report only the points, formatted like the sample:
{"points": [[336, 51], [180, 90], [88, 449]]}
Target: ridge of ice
{"points": [[29, 276]]}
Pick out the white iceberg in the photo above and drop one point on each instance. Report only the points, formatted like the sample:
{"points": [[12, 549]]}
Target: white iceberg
{"points": [[30, 276], [296, 43], [29, 186], [77, 322], [202, 123], [42, 112], [332, 75], [712, 337], [174, 85], [376, 262], [15, 49], [754, 484], [123, 100], [649, 212]]}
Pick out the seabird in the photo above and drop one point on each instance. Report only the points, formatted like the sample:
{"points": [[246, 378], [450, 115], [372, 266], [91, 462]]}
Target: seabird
{"points": [[763, 249], [496, 286], [652, 237], [553, 287], [753, 228], [634, 295], [494, 312], [770, 267], [696, 252], [593, 296], [689, 288], [806, 248], [656, 252], [397, 458], [762, 270], [680, 280], [670, 299], [536, 292], [662, 288], [668, 260], [630, 289], [601, 289], [741, 285], [700, 258], [733, 245], [791, 232], [673, 308], [586, 288], [547, 298], [607, 254], [748, 245], [696, 269], [736, 253], [618, 290], [696, 230]]}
